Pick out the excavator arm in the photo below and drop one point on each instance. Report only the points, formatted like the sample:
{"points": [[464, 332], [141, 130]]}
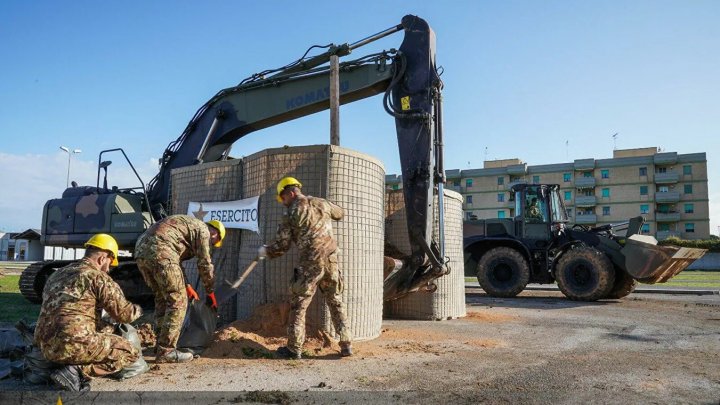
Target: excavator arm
{"points": [[411, 86]]}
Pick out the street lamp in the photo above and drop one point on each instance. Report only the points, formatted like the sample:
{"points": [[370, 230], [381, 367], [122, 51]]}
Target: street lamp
{"points": [[70, 153]]}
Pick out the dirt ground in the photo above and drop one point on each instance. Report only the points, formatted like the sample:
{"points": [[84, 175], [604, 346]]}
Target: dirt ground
{"points": [[538, 348]]}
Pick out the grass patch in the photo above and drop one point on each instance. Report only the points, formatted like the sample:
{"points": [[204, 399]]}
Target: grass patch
{"points": [[13, 306]]}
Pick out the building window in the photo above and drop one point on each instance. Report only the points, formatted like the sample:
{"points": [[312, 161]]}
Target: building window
{"points": [[471, 215], [456, 183], [468, 183], [605, 174], [689, 208], [568, 195], [663, 189], [687, 169], [569, 212], [644, 208], [396, 186], [690, 227], [588, 174], [643, 190], [588, 192], [468, 199], [662, 227], [661, 170], [606, 210], [606, 192], [688, 189], [501, 181], [536, 179], [567, 177], [501, 214], [643, 171], [645, 228], [501, 197]]}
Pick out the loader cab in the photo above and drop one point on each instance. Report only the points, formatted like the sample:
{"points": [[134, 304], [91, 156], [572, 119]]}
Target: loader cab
{"points": [[540, 212]]}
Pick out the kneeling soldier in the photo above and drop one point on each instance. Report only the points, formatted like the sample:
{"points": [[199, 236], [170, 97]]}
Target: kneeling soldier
{"points": [[67, 329]]}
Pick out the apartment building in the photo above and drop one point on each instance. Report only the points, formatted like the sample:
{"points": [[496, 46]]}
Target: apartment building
{"points": [[669, 189]]}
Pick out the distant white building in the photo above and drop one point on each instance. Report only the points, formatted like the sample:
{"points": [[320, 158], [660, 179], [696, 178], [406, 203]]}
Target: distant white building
{"points": [[7, 246], [28, 247]]}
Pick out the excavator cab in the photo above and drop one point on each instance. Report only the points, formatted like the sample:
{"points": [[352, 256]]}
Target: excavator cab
{"points": [[83, 211]]}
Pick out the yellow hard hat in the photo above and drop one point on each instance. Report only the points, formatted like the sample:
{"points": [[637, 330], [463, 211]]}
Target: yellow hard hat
{"points": [[220, 228], [286, 181], [105, 242]]}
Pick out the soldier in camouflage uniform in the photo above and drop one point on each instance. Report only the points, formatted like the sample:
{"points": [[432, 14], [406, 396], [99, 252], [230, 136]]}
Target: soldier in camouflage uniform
{"points": [[532, 211], [307, 223], [67, 330], [159, 253]]}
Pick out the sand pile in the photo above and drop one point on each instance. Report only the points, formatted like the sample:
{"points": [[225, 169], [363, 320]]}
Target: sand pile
{"points": [[261, 334], [490, 317]]}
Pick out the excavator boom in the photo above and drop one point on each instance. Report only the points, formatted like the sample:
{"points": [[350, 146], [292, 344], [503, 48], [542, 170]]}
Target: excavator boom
{"points": [[412, 95]]}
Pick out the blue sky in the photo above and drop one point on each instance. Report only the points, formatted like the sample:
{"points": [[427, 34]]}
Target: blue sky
{"points": [[521, 78]]}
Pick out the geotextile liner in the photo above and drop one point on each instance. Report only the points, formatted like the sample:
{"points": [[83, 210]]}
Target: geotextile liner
{"points": [[352, 180], [449, 300]]}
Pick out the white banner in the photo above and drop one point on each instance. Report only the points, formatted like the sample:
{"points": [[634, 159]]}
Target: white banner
{"points": [[240, 214]]}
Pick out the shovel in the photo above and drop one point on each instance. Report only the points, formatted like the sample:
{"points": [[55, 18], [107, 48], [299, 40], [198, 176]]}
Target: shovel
{"points": [[227, 289]]}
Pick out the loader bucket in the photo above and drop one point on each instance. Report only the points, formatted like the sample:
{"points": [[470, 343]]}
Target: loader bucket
{"points": [[649, 263]]}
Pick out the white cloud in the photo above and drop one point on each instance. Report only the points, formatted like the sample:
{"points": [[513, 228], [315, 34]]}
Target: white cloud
{"points": [[30, 180]]}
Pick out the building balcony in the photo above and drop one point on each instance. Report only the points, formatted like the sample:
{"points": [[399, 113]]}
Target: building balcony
{"points": [[585, 182], [517, 170], [666, 158], [585, 201], [585, 218], [667, 178], [667, 216], [666, 234], [583, 165], [667, 197]]}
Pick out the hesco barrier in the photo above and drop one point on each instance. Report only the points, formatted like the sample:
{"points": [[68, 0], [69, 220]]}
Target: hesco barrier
{"points": [[216, 181], [449, 300], [350, 179]]}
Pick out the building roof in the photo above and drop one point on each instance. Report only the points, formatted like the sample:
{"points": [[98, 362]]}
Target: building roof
{"points": [[29, 234]]}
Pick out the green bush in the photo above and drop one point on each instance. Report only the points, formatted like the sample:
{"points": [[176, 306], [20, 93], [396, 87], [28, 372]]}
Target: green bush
{"points": [[712, 245]]}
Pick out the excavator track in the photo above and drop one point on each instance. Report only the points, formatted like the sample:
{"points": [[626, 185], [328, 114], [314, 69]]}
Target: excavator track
{"points": [[29, 286]]}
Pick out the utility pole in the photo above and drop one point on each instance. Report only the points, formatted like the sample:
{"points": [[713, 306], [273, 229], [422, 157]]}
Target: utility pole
{"points": [[335, 100], [70, 153]]}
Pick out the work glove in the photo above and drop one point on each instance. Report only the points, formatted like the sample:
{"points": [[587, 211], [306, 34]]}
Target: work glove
{"points": [[262, 252], [191, 293], [211, 301]]}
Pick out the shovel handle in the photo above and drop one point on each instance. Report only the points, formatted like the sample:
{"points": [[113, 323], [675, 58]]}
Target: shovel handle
{"points": [[247, 271]]}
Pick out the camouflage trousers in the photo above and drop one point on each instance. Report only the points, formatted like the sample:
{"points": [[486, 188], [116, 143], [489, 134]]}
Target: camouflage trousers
{"points": [[98, 354], [324, 274], [165, 278]]}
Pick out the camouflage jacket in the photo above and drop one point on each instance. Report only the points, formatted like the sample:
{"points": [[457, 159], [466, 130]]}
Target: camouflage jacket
{"points": [[73, 299], [307, 223], [178, 238]]}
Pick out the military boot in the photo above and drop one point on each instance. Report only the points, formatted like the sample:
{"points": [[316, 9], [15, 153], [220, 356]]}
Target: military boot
{"points": [[346, 349], [173, 356], [285, 353], [69, 378]]}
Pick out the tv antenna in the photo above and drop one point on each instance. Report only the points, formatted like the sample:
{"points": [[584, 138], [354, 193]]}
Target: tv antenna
{"points": [[615, 140]]}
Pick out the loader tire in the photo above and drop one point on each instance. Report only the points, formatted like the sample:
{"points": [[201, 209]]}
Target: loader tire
{"points": [[585, 274], [503, 272], [623, 286]]}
